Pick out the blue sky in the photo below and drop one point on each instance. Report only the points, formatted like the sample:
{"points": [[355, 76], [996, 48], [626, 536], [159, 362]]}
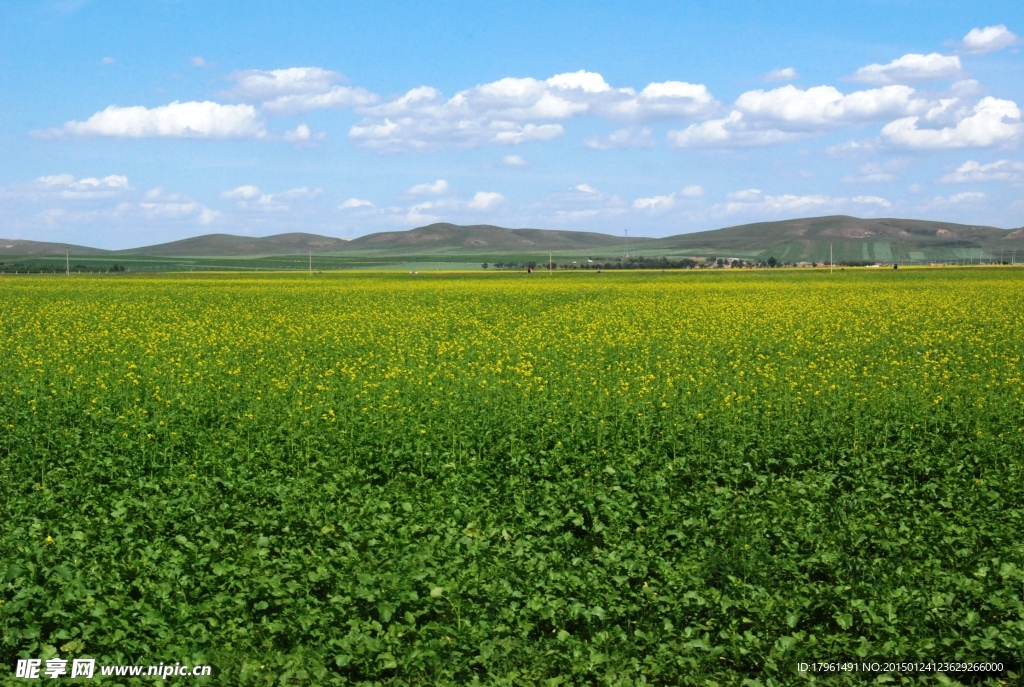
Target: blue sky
{"points": [[129, 123]]}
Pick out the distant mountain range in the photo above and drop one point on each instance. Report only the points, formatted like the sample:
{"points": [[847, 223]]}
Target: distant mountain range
{"points": [[850, 238]]}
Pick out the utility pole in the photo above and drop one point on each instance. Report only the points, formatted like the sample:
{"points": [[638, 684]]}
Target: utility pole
{"points": [[625, 243]]}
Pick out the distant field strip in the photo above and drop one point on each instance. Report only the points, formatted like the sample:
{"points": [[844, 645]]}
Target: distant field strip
{"points": [[667, 478]]}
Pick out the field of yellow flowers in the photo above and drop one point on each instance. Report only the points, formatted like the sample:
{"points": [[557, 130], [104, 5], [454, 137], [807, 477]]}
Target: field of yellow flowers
{"points": [[621, 479]]}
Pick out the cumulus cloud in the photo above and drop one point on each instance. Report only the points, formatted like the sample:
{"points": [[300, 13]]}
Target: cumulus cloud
{"points": [[298, 89], [338, 97], [910, 69], [410, 133], [198, 61], [352, 203], [976, 172], [513, 161], [482, 200], [871, 200], [107, 61], [159, 204], [437, 188], [955, 199], [250, 197], [68, 187], [877, 172], [989, 38], [587, 188], [666, 202], [258, 85], [176, 120], [784, 74], [732, 130], [302, 134], [790, 107], [746, 195], [754, 201], [518, 110], [655, 202], [623, 138], [785, 114], [992, 122]]}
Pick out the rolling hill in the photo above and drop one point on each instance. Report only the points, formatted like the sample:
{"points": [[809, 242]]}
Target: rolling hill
{"points": [[851, 240], [23, 248], [229, 245], [479, 238]]}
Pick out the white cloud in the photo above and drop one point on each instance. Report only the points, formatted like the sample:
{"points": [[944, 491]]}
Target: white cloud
{"points": [[733, 130], [338, 97], [243, 193], [871, 200], [976, 172], [198, 61], [655, 203], [586, 188], [107, 61], [790, 107], [513, 110], [980, 41], [176, 120], [158, 204], [784, 74], [623, 138], [409, 133], [877, 172], [302, 134], [513, 161], [784, 114], [438, 187], [911, 68], [955, 199], [992, 122], [664, 99], [666, 202], [483, 200], [298, 89], [753, 201], [418, 215], [257, 85], [67, 187], [578, 215], [747, 195], [250, 197], [355, 203], [528, 132]]}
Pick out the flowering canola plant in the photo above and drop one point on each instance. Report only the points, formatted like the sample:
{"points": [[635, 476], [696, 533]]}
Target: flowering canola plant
{"points": [[507, 478]]}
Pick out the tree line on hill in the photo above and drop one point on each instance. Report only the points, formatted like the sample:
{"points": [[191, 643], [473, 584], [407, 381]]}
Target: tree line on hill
{"points": [[651, 263]]}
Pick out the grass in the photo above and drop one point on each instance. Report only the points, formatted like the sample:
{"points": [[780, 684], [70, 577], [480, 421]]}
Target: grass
{"points": [[629, 478]]}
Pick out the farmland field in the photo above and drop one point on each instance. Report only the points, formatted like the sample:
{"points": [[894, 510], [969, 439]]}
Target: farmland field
{"points": [[622, 479]]}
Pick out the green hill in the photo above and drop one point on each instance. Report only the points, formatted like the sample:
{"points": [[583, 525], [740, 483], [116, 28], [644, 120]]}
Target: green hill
{"points": [[22, 248], [851, 238], [481, 238], [229, 245], [800, 240]]}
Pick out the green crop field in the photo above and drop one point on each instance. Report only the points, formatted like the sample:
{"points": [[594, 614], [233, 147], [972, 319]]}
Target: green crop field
{"points": [[699, 478]]}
